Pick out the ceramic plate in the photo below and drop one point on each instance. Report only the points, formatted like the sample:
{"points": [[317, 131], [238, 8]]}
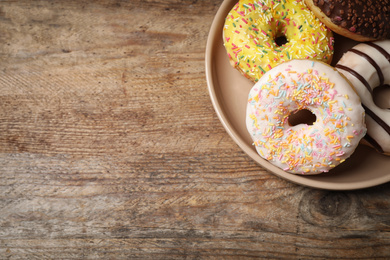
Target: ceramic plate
{"points": [[229, 91]]}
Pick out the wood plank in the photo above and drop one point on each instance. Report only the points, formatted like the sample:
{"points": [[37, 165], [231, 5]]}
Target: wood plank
{"points": [[110, 148]]}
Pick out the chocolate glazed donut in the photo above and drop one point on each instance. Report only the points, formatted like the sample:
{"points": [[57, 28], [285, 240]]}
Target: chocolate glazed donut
{"points": [[360, 20], [367, 66]]}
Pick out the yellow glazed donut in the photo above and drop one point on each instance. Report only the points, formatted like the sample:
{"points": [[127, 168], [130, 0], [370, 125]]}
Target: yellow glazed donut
{"points": [[367, 66], [304, 148], [252, 29]]}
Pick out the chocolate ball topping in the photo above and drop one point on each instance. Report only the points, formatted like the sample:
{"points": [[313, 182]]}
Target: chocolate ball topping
{"points": [[370, 18]]}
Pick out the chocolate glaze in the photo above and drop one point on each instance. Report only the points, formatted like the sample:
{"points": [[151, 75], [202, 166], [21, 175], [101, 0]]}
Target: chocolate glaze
{"points": [[356, 75], [374, 143], [370, 18], [373, 63], [380, 49], [377, 119]]}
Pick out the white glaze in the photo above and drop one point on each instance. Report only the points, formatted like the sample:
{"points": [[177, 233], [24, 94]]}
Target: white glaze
{"points": [[364, 68], [305, 149]]}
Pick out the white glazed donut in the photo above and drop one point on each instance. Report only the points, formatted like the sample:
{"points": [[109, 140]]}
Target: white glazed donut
{"points": [[367, 66], [304, 148]]}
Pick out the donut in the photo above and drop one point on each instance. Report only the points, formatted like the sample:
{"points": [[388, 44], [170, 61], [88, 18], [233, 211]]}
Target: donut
{"points": [[258, 35], [367, 66], [307, 147], [358, 20]]}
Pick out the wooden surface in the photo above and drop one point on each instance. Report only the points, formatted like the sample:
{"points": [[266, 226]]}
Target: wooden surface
{"points": [[110, 148]]}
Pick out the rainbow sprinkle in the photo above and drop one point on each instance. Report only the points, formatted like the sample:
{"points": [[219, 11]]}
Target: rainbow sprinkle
{"points": [[254, 25], [303, 148]]}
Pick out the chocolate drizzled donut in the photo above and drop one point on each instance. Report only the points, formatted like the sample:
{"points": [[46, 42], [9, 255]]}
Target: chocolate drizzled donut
{"points": [[367, 66]]}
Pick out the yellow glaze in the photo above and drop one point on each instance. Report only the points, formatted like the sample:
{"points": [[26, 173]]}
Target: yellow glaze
{"points": [[252, 26]]}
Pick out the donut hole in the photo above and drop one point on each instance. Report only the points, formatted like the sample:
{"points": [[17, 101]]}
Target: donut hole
{"points": [[381, 96], [302, 116], [281, 40]]}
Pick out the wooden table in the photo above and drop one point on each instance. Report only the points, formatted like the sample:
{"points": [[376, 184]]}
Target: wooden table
{"points": [[110, 147]]}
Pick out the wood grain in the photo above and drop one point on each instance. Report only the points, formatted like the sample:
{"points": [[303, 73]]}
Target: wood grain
{"points": [[110, 148]]}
